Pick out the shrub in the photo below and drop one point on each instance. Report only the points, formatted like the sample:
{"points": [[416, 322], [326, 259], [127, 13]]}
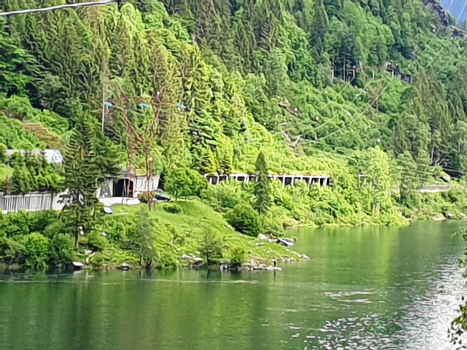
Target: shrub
{"points": [[17, 223], [11, 250], [244, 219], [97, 241], [210, 246], [224, 196], [237, 256], [184, 182], [62, 250], [165, 258], [146, 197], [36, 252], [3, 156], [173, 208], [144, 237]]}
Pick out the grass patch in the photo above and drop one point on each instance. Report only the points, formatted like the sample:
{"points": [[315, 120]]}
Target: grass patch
{"points": [[190, 225]]}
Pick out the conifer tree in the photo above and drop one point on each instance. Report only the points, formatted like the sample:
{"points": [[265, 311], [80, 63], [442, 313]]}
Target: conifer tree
{"points": [[319, 31], [262, 189], [87, 164]]}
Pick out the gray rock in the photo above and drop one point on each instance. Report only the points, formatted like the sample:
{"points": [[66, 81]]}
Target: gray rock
{"points": [[285, 242], [258, 268], [306, 257], [125, 266], [108, 210], [77, 264], [186, 257], [88, 251]]}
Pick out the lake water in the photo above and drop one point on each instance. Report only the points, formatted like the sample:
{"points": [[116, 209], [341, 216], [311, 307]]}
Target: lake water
{"points": [[377, 288]]}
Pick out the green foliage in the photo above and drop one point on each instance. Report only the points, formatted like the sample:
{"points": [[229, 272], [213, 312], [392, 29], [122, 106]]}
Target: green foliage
{"points": [[237, 256], [185, 182], [244, 219], [331, 87], [173, 208], [224, 196], [3, 156], [144, 238], [62, 250], [210, 246], [31, 173], [262, 190], [147, 197], [36, 250], [16, 65]]}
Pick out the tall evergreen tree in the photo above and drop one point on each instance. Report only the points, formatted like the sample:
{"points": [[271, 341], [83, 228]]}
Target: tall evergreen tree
{"points": [[319, 31], [87, 163]]}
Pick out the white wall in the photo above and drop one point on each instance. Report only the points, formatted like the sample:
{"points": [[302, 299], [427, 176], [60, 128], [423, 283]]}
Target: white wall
{"points": [[32, 201]]}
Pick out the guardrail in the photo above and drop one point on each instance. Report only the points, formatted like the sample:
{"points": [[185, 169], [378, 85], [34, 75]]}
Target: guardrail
{"points": [[32, 201]]}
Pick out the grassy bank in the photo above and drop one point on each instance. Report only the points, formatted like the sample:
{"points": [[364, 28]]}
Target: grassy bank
{"points": [[40, 240]]}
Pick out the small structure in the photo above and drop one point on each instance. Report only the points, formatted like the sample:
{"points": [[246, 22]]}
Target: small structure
{"points": [[287, 180], [129, 185], [52, 155]]}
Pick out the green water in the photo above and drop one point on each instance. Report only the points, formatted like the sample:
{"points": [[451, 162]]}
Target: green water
{"points": [[383, 288]]}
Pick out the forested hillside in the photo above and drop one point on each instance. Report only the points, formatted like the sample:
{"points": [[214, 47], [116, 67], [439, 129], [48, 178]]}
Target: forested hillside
{"points": [[339, 87]]}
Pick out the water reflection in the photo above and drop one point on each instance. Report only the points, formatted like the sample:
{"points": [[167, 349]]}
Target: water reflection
{"points": [[363, 289]]}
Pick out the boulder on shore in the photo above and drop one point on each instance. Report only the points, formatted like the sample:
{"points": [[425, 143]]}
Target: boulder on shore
{"points": [[286, 242], [125, 267]]}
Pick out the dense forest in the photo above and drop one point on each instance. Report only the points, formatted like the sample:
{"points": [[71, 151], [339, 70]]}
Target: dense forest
{"points": [[337, 87]]}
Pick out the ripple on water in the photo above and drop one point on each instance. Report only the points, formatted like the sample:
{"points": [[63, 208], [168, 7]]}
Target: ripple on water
{"points": [[422, 325]]}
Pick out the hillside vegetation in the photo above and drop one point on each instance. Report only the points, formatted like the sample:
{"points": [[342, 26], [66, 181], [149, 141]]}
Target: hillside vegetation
{"points": [[320, 87]]}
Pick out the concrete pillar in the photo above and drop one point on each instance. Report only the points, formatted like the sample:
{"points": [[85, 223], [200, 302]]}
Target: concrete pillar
{"points": [[281, 179]]}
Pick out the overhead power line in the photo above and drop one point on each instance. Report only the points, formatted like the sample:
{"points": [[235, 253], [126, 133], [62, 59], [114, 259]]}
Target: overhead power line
{"points": [[58, 7]]}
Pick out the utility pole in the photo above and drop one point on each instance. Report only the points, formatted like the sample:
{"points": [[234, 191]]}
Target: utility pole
{"points": [[104, 88]]}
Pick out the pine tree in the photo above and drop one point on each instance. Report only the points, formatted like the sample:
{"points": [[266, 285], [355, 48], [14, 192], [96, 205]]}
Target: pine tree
{"points": [[262, 190], [87, 164], [319, 31]]}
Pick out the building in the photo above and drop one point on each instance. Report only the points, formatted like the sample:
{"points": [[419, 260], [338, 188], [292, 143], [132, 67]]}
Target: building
{"points": [[128, 185]]}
